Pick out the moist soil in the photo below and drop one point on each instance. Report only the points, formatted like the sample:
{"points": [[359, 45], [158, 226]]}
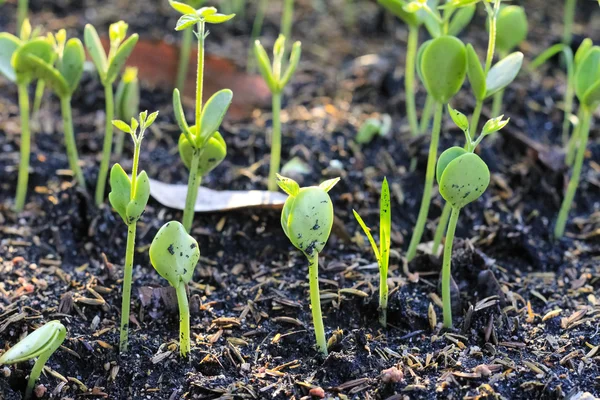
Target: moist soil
{"points": [[526, 306]]}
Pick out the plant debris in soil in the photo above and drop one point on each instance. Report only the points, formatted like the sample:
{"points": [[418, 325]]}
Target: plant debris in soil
{"points": [[527, 306]]}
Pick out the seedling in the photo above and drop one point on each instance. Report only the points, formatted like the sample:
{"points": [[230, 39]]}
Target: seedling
{"points": [[127, 103], [307, 219], [41, 343], [129, 197], [382, 254], [276, 79], [587, 89], [108, 67], [443, 67], [373, 127], [201, 147], [174, 255], [185, 48]]}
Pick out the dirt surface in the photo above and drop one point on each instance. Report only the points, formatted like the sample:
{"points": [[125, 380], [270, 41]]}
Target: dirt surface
{"points": [[527, 307]]}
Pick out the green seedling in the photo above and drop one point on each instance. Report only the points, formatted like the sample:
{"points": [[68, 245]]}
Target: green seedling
{"points": [[186, 47], [108, 67], [587, 89], [129, 196], [127, 103], [175, 254], [276, 79], [201, 147], [443, 67], [307, 219], [374, 127], [382, 253], [41, 343]]}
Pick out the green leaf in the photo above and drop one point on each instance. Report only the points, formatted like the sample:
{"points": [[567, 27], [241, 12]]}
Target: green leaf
{"points": [[24, 69], [174, 254], [212, 115], [503, 73], [367, 232], [150, 120], [120, 58], [121, 125], [134, 125], [137, 205], [25, 33], [211, 155], [33, 66], [8, 45], [329, 184], [117, 33], [264, 66], [218, 18], [420, 58], [127, 98], [120, 191], [460, 20], [96, 51], [288, 185], [182, 7], [48, 336], [588, 73], [186, 21], [445, 158], [396, 7], [368, 130], [413, 7], [385, 224], [583, 49], [464, 180], [444, 67], [475, 73], [494, 125], [591, 98], [292, 66], [459, 119], [180, 116], [206, 11], [511, 28], [71, 64]]}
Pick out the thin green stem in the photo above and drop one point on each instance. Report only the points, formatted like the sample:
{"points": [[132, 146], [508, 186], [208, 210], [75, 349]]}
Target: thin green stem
{"points": [[25, 148], [39, 95], [38, 367], [568, 100], [426, 114], [315, 301], [426, 199], [574, 139], [127, 280], [563, 214], [275, 143], [493, 22], [184, 320], [184, 58], [569, 18], [441, 228], [107, 146], [473, 125], [200, 73], [22, 11], [383, 295], [409, 78], [65, 106], [447, 267], [192, 192], [256, 29], [497, 104]]}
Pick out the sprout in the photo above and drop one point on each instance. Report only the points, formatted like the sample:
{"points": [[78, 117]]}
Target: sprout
{"points": [[443, 67], [200, 149], [307, 219], [129, 198], [382, 254], [374, 126], [127, 103], [276, 79], [184, 49], [587, 89], [41, 343], [174, 255]]}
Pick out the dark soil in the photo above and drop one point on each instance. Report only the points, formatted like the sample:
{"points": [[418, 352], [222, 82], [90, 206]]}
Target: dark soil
{"points": [[527, 309]]}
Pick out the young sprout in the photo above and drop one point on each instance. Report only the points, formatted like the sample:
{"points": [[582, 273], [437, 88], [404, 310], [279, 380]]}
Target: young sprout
{"points": [[587, 89], [201, 147], [127, 105], [185, 48], [382, 254], [372, 127], [276, 79], [41, 343], [129, 196], [307, 219], [108, 67], [443, 67], [174, 254]]}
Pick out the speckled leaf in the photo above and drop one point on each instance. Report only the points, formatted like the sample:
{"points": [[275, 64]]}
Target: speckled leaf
{"points": [[288, 185], [445, 158], [444, 67], [36, 343], [464, 180]]}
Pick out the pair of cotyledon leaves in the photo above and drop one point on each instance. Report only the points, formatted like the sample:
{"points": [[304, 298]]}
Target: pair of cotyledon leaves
{"points": [[192, 16], [272, 73]]}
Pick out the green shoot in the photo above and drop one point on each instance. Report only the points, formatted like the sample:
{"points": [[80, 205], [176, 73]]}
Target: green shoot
{"points": [[22, 11], [201, 147], [587, 89], [127, 103], [382, 254], [185, 48], [307, 219], [129, 197], [374, 127], [41, 343], [276, 79], [174, 255], [108, 67], [569, 18]]}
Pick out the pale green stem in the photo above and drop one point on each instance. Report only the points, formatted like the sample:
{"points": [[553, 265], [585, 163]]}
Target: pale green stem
{"points": [[563, 214], [39, 95], [475, 119], [574, 139], [441, 228], [192, 193], [65, 106], [22, 11], [184, 58], [568, 100], [315, 301], [275, 143], [25, 148], [409, 78], [426, 114], [184, 320], [497, 104], [383, 296], [200, 74], [127, 280], [426, 199], [38, 367], [256, 29], [569, 18], [107, 146], [493, 22], [447, 267]]}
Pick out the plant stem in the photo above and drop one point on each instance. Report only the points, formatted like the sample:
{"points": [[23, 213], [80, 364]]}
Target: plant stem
{"points": [[568, 101], [127, 279], [441, 228], [475, 119], [315, 301], [39, 95], [200, 74], [426, 200], [569, 18], [25, 148], [563, 214], [256, 29], [409, 78], [192, 192], [574, 139], [446, 268], [184, 320], [184, 58], [493, 22], [65, 106], [383, 296], [38, 367], [497, 104], [275, 143], [426, 114], [22, 10], [107, 146]]}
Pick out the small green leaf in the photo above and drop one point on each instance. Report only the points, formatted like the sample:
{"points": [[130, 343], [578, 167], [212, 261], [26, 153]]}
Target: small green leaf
{"points": [[591, 98], [134, 125], [8, 45], [461, 19], [121, 125], [182, 7], [206, 11], [464, 180], [368, 130], [150, 120], [367, 232], [127, 98], [212, 115], [329, 184], [396, 7], [413, 7], [117, 33], [459, 119], [137, 205], [293, 64], [475, 73], [264, 66], [445, 158], [24, 69], [587, 74], [94, 47], [174, 254], [444, 67], [120, 191], [288, 185], [48, 336], [120, 58], [212, 154], [218, 18], [180, 115], [494, 125], [511, 28], [186, 21], [385, 224], [30, 66], [503, 73], [71, 64], [420, 58], [583, 49]]}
